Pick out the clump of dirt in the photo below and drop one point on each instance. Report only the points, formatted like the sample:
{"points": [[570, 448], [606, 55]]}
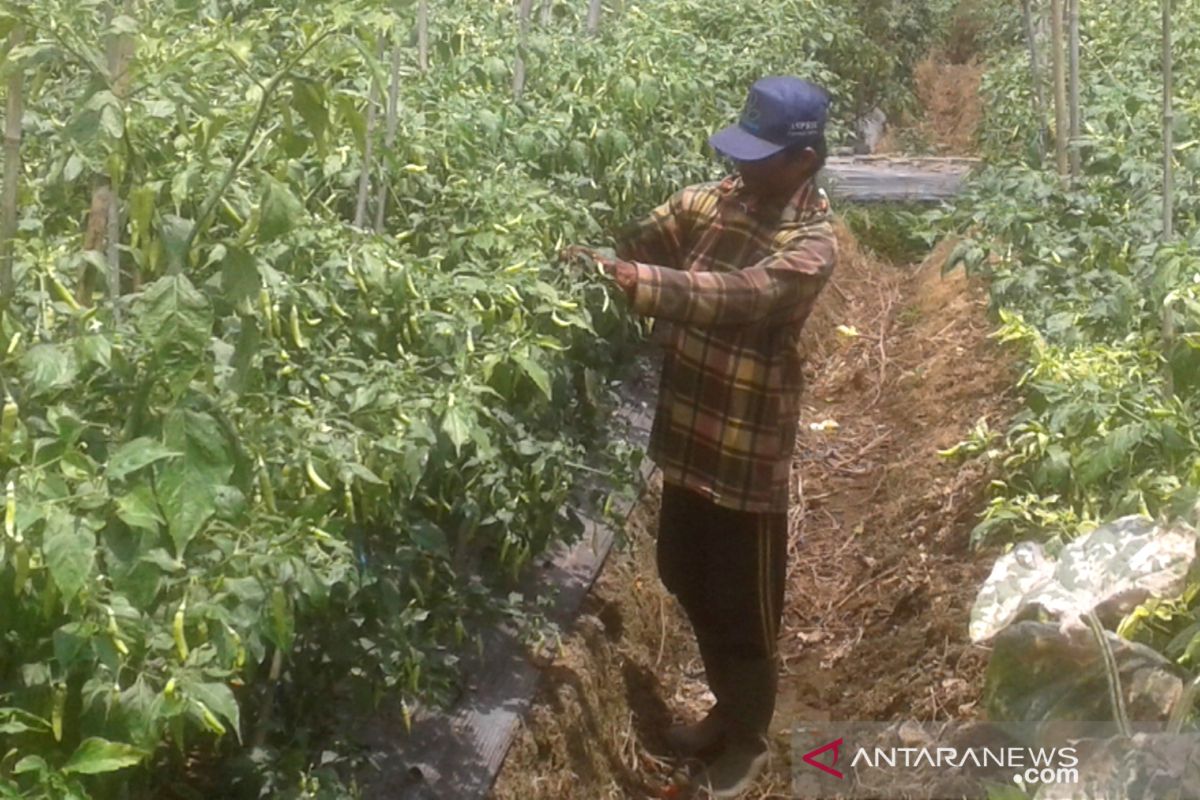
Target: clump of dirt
{"points": [[881, 578]]}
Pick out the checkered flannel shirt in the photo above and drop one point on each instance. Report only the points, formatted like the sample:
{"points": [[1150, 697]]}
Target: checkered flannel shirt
{"points": [[737, 279]]}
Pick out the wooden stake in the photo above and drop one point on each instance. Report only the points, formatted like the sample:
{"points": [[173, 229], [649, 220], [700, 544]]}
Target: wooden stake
{"points": [[14, 111], [389, 136], [1035, 71], [120, 54], [1168, 312], [1076, 113], [364, 179], [1168, 125], [423, 35], [595, 7], [1060, 87], [525, 10]]}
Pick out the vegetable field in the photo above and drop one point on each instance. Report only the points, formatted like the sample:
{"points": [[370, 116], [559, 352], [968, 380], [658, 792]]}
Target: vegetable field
{"points": [[1090, 256], [1040, 562], [294, 388]]}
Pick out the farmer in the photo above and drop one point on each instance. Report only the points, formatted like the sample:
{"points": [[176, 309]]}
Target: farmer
{"points": [[736, 267]]}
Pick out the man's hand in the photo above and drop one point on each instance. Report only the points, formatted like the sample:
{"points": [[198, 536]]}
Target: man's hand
{"points": [[624, 273]]}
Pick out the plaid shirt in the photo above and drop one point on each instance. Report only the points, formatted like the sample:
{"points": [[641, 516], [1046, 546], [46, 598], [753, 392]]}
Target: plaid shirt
{"points": [[738, 279]]}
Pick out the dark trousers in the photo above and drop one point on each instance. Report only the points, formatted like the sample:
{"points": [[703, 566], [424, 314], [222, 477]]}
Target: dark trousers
{"points": [[728, 569]]}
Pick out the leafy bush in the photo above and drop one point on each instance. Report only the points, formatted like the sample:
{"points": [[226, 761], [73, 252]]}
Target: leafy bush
{"points": [[1083, 276], [296, 461]]}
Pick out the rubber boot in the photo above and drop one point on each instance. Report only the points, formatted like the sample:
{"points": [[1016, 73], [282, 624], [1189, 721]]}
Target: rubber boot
{"points": [[748, 704], [700, 738]]}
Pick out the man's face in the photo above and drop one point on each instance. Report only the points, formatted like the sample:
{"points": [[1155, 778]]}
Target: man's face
{"points": [[778, 176]]}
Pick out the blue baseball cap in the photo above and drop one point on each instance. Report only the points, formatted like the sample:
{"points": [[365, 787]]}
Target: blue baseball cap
{"points": [[780, 112]]}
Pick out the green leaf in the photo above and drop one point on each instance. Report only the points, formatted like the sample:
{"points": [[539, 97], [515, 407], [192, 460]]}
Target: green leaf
{"points": [[536, 372], [248, 342], [172, 315], [1126, 560], [30, 764], [73, 168], [124, 23], [352, 118], [363, 473], [308, 98], [15, 720], [141, 210], [429, 537], [187, 486], [95, 756], [139, 509], [69, 641], [69, 548], [112, 121], [280, 211], [48, 367], [239, 276], [220, 700], [132, 456], [94, 349], [174, 231], [457, 425]]}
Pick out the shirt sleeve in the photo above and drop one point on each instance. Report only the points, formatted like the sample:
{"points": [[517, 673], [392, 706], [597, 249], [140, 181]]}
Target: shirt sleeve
{"points": [[777, 289], [659, 238]]}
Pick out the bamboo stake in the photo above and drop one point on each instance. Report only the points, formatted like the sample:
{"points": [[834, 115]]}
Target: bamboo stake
{"points": [[593, 19], [103, 228], [1060, 87], [120, 53], [1168, 311], [1076, 112], [389, 136], [525, 10], [1168, 125], [364, 179], [423, 35], [547, 12], [14, 111], [1035, 70]]}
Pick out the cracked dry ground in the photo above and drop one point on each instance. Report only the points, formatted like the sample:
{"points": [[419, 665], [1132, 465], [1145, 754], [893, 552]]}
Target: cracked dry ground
{"points": [[881, 575]]}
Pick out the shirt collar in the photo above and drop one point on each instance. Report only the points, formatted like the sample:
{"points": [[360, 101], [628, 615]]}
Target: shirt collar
{"points": [[806, 199]]}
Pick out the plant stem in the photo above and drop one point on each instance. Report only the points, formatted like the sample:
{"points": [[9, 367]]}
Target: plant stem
{"points": [[210, 205], [264, 721], [1116, 694], [1183, 706]]}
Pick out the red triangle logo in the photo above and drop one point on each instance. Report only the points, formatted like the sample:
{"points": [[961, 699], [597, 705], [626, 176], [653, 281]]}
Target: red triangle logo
{"points": [[810, 758]]}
